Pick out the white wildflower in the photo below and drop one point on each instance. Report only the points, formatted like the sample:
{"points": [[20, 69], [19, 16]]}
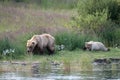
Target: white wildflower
{"points": [[58, 47], [13, 50], [4, 52], [8, 51], [62, 47]]}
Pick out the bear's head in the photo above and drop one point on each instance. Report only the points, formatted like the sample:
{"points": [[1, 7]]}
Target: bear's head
{"points": [[88, 45], [31, 45]]}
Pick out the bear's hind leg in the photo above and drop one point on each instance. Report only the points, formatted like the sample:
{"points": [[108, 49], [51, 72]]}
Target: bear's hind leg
{"points": [[50, 50]]}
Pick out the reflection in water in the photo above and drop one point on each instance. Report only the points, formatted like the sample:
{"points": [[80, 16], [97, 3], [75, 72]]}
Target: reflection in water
{"points": [[66, 71]]}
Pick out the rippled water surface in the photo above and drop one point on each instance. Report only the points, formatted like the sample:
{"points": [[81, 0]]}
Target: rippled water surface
{"points": [[60, 72]]}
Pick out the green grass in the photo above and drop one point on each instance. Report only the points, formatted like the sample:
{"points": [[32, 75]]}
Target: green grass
{"points": [[46, 4], [72, 40], [76, 60], [27, 21], [9, 50], [77, 55]]}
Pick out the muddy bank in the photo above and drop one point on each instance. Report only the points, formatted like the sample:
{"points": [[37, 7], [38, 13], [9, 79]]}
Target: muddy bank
{"points": [[107, 60]]}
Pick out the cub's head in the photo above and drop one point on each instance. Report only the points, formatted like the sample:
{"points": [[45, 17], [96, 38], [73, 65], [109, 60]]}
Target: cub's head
{"points": [[31, 45], [87, 46]]}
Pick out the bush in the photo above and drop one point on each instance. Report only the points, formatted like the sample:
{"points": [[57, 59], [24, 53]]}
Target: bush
{"points": [[72, 40], [110, 33], [4, 44], [99, 18], [89, 23], [8, 50], [93, 6]]}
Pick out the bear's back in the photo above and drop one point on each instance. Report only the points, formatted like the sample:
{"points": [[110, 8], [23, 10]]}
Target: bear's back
{"points": [[47, 36], [101, 46]]}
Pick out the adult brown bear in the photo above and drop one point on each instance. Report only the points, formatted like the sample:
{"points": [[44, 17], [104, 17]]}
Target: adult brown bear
{"points": [[38, 43]]}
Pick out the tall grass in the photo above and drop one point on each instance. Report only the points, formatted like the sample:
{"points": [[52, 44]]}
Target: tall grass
{"points": [[72, 40], [110, 34], [46, 4], [99, 18], [10, 50], [5, 44], [64, 4]]}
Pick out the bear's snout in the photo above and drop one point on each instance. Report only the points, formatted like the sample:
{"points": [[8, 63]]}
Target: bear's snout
{"points": [[84, 48], [28, 51]]}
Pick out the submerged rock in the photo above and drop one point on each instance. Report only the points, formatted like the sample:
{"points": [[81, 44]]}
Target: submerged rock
{"points": [[115, 60], [107, 61], [102, 61]]}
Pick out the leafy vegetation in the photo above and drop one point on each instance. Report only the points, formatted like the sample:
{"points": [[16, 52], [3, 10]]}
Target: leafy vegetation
{"points": [[98, 18], [9, 50], [47, 4], [72, 40], [76, 58], [95, 20]]}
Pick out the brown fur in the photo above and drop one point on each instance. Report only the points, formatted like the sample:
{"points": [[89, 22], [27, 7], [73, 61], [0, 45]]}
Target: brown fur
{"points": [[38, 43]]}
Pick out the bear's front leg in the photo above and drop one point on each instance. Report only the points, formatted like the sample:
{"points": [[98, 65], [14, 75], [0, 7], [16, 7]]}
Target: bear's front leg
{"points": [[51, 50], [41, 50]]}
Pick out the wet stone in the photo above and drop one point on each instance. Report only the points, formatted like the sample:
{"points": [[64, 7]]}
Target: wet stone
{"points": [[107, 61]]}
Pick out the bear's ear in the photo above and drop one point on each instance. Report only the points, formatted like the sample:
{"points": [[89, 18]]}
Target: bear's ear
{"points": [[28, 40], [33, 43]]}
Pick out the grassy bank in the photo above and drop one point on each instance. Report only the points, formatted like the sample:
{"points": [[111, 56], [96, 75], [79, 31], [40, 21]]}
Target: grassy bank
{"points": [[16, 29], [77, 60], [77, 55]]}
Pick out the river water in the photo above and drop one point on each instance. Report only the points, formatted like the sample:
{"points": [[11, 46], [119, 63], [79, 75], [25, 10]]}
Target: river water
{"points": [[48, 71]]}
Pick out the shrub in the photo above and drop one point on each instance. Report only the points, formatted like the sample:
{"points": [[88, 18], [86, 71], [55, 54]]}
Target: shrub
{"points": [[93, 6], [108, 33], [99, 18], [8, 50], [72, 40], [89, 23], [4, 44]]}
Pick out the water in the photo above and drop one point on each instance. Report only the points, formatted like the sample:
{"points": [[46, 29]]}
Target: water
{"points": [[48, 71]]}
